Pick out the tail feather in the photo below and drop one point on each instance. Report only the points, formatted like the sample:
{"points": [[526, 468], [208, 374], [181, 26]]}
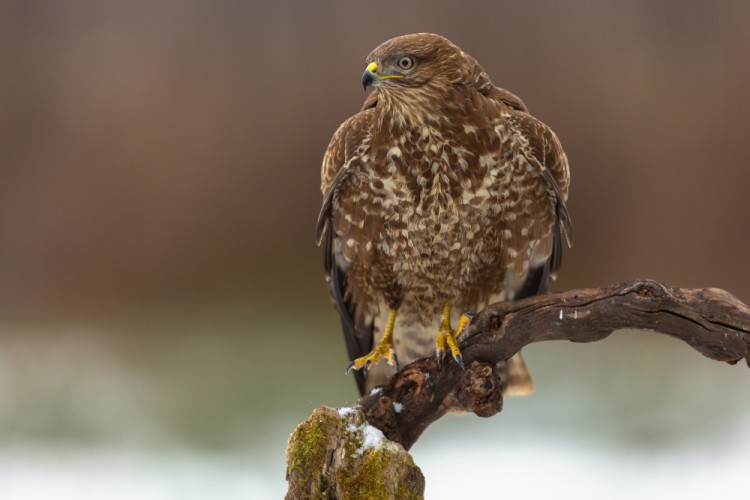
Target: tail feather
{"points": [[515, 376]]}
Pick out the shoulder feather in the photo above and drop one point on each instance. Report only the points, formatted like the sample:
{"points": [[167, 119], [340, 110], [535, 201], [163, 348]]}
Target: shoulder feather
{"points": [[348, 143], [543, 148]]}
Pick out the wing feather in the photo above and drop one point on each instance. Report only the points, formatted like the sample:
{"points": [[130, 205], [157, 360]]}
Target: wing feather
{"points": [[348, 144], [542, 149]]}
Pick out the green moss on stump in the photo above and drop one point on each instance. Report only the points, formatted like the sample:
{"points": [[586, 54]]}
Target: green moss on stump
{"points": [[327, 459], [306, 455]]}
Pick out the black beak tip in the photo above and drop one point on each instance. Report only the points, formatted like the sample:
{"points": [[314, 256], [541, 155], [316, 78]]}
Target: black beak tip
{"points": [[368, 78]]}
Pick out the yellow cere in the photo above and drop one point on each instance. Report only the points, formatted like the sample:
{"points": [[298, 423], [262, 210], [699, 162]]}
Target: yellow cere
{"points": [[373, 68]]}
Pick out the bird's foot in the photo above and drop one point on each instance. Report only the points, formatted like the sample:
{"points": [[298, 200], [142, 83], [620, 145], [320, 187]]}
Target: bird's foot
{"points": [[464, 321], [384, 350], [447, 337]]}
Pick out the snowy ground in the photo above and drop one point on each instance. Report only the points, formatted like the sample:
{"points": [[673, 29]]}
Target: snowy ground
{"points": [[526, 468], [542, 470]]}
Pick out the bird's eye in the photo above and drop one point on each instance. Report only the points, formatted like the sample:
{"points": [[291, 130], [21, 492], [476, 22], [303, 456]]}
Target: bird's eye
{"points": [[406, 62]]}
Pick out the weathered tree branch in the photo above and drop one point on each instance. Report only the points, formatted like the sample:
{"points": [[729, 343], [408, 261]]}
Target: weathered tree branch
{"points": [[711, 320]]}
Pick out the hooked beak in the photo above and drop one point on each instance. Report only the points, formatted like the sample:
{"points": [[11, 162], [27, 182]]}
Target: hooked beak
{"points": [[369, 77]]}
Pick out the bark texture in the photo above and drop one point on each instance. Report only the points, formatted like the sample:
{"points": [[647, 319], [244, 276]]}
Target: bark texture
{"points": [[712, 321]]}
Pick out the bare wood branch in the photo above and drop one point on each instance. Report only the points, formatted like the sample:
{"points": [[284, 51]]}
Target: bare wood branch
{"points": [[710, 320], [328, 457]]}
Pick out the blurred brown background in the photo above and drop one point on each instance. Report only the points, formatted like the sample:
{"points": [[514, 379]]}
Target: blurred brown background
{"points": [[171, 150], [159, 173]]}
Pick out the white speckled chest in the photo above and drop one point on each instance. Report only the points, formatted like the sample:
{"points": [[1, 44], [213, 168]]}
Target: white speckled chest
{"points": [[436, 215]]}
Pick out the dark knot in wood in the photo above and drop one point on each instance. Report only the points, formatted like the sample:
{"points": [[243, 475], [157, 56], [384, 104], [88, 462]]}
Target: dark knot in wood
{"points": [[480, 390]]}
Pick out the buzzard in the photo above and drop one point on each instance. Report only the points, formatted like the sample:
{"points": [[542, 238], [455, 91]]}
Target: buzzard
{"points": [[442, 194]]}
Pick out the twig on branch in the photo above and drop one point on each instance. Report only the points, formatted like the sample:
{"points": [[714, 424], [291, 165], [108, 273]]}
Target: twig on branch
{"points": [[711, 320], [331, 456]]}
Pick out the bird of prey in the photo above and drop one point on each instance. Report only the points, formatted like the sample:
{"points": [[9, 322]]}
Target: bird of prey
{"points": [[442, 194]]}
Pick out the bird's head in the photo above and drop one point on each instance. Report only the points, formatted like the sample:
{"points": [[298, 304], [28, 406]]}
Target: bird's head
{"points": [[413, 61]]}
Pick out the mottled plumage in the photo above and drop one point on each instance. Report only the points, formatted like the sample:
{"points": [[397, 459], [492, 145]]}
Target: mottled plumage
{"points": [[443, 188]]}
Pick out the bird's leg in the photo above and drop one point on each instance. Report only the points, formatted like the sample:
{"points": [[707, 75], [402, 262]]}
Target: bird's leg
{"points": [[384, 349], [447, 336]]}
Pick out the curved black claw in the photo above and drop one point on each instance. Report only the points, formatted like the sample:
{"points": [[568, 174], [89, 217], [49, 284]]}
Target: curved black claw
{"points": [[459, 360], [471, 316], [395, 361], [364, 368], [439, 354]]}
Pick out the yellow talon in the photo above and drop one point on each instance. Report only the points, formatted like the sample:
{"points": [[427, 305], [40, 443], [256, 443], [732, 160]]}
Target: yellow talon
{"points": [[440, 343], [384, 349], [463, 322], [452, 344], [447, 336]]}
